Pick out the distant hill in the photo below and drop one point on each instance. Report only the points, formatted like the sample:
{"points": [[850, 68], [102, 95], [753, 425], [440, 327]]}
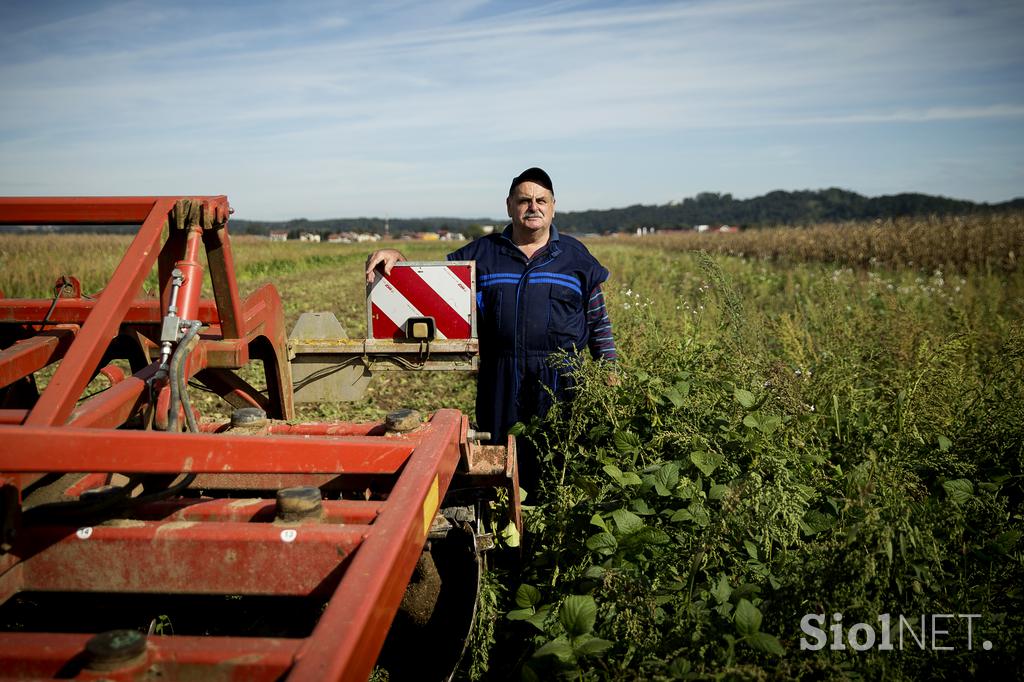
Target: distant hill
{"points": [[774, 208], [710, 208]]}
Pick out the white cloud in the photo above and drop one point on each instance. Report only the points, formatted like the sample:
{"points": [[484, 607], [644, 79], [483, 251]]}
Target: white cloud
{"points": [[316, 89]]}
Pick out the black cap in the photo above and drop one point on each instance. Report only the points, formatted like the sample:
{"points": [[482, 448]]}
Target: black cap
{"points": [[532, 175]]}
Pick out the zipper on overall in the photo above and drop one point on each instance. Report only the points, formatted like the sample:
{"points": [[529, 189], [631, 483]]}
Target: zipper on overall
{"points": [[521, 333]]}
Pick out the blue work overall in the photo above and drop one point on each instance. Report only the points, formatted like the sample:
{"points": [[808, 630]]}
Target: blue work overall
{"points": [[527, 310]]}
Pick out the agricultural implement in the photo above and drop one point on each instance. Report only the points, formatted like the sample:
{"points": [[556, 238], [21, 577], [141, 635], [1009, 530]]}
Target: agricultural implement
{"points": [[140, 540]]}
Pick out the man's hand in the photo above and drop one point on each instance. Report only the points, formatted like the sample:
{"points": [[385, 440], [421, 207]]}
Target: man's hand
{"points": [[385, 257]]}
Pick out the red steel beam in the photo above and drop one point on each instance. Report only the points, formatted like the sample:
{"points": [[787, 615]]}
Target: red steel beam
{"points": [[184, 557], [35, 655], [76, 210], [75, 311], [27, 449], [9, 416], [221, 260], [346, 641], [70, 379], [112, 408], [32, 354]]}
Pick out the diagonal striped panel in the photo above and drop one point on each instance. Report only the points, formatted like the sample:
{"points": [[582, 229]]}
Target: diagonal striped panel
{"points": [[442, 291]]}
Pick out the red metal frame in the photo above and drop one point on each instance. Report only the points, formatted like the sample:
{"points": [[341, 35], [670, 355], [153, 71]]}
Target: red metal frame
{"points": [[358, 555]]}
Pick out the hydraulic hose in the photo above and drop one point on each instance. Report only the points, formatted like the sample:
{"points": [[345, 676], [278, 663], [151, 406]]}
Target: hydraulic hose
{"points": [[178, 393]]}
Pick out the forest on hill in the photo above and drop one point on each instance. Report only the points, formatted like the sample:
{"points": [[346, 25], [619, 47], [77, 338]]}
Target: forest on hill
{"points": [[712, 208], [804, 207]]}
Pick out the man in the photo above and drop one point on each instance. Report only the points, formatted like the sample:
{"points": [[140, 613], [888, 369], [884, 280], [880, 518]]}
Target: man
{"points": [[538, 292]]}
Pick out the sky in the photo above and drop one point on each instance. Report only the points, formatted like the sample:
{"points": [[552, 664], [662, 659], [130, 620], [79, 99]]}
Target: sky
{"points": [[322, 109]]}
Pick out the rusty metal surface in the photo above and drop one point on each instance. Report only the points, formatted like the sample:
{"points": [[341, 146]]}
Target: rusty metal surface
{"points": [[218, 531], [25, 449], [31, 655], [170, 557]]}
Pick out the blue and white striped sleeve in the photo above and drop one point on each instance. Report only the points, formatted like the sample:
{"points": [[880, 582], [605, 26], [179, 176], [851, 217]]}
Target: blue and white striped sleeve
{"points": [[601, 343]]}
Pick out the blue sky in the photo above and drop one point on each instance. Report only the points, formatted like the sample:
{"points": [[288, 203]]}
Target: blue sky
{"points": [[328, 109]]}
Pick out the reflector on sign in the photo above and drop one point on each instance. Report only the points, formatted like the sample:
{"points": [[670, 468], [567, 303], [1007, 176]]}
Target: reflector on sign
{"points": [[444, 291]]}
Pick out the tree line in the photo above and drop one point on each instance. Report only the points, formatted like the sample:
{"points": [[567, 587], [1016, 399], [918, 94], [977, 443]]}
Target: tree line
{"points": [[804, 207]]}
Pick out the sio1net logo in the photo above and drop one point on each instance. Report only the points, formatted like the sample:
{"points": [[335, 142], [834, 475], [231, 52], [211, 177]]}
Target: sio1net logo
{"points": [[924, 632]]}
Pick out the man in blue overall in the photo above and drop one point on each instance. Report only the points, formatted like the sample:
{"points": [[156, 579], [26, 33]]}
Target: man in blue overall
{"points": [[538, 292]]}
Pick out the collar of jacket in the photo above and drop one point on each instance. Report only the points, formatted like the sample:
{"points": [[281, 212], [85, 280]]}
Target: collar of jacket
{"points": [[511, 248]]}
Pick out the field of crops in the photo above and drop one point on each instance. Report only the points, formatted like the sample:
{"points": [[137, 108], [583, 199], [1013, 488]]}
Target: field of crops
{"points": [[821, 430]]}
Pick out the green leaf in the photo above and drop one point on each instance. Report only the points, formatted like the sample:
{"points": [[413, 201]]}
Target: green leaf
{"points": [[641, 507], [672, 393], [707, 462], [944, 444], [700, 514], [747, 618], [510, 535], [679, 668], [626, 442], [769, 644], [722, 590], [602, 543], [590, 646], [627, 522], [578, 614], [517, 429], [751, 421], [614, 472], [769, 425], [631, 478], [959, 490], [668, 475], [597, 520], [527, 595], [558, 647], [717, 492], [652, 536], [681, 515], [1006, 541], [521, 614], [538, 619], [744, 397], [751, 548], [815, 521]]}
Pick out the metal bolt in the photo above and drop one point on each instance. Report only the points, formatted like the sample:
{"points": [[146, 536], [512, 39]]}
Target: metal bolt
{"points": [[402, 420], [248, 417], [115, 649], [297, 504], [473, 434]]}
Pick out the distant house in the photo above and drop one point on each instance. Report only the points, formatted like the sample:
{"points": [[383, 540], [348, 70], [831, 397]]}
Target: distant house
{"points": [[352, 237], [728, 228], [279, 235], [309, 237]]}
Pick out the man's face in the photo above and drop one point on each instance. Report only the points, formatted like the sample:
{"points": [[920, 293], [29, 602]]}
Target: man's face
{"points": [[531, 207]]}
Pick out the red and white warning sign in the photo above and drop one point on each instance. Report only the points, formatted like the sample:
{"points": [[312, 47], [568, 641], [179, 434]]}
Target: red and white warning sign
{"points": [[445, 291]]}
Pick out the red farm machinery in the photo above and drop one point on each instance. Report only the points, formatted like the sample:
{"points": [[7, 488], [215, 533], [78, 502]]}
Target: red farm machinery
{"points": [[140, 540]]}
